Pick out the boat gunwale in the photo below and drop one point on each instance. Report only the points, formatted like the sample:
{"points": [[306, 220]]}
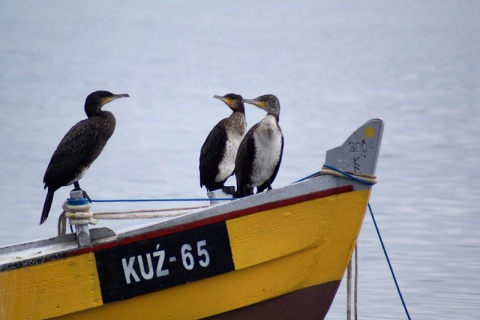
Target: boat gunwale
{"points": [[220, 217]]}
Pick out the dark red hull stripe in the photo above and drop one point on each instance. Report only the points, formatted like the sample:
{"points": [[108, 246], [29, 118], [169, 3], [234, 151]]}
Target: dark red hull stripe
{"points": [[220, 218], [309, 303]]}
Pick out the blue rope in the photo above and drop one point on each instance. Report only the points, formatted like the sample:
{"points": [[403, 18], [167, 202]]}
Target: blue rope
{"points": [[307, 177], [348, 175], [228, 199], [378, 232], [164, 200], [186, 199], [389, 264]]}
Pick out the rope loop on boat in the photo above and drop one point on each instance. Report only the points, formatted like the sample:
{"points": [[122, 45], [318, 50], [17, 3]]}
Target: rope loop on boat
{"points": [[367, 179], [78, 214], [146, 214], [85, 216]]}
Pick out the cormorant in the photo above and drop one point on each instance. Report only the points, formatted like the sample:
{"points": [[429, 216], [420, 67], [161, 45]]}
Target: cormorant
{"points": [[217, 156], [260, 153], [80, 147]]}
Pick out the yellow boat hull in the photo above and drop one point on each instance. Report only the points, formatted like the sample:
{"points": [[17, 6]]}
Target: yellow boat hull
{"points": [[275, 251]]}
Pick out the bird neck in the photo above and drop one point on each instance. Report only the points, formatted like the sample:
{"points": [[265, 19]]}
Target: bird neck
{"points": [[238, 108], [275, 115], [239, 112], [237, 122], [106, 114], [92, 111]]}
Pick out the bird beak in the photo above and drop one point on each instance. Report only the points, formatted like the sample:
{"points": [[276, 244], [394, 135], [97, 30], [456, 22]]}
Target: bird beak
{"points": [[256, 103], [116, 96], [226, 100]]}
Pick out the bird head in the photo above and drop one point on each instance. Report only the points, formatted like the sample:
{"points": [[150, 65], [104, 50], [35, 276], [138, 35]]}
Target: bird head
{"points": [[267, 102], [96, 100], [233, 101]]}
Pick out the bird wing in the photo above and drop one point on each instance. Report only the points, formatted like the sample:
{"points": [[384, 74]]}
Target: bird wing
{"points": [[211, 154], [75, 152], [244, 160]]}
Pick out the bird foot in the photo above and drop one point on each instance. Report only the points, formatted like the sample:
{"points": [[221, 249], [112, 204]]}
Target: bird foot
{"points": [[243, 192], [229, 190], [261, 190], [85, 194]]}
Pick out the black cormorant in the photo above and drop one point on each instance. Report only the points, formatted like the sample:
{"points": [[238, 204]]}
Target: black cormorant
{"points": [[260, 153], [217, 156], [80, 147]]}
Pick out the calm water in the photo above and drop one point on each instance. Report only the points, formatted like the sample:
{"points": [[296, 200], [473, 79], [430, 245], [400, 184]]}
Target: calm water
{"points": [[333, 65]]}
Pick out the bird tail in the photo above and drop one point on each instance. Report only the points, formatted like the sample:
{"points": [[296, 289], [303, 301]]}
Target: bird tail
{"points": [[46, 206]]}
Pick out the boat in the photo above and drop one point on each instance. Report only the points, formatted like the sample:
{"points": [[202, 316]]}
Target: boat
{"points": [[280, 254]]}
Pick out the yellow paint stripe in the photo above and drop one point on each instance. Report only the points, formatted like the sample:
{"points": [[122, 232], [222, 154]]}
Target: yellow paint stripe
{"points": [[326, 223], [50, 289]]}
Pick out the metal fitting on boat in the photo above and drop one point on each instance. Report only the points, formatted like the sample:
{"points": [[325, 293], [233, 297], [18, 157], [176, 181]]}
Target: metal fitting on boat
{"points": [[77, 210]]}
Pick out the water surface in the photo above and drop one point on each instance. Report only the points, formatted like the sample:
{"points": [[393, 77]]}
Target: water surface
{"points": [[333, 67]]}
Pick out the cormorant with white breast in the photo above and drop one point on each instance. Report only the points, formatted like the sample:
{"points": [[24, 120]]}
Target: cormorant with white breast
{"points": [[82, 144], [260, 153], [218, 153]]}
